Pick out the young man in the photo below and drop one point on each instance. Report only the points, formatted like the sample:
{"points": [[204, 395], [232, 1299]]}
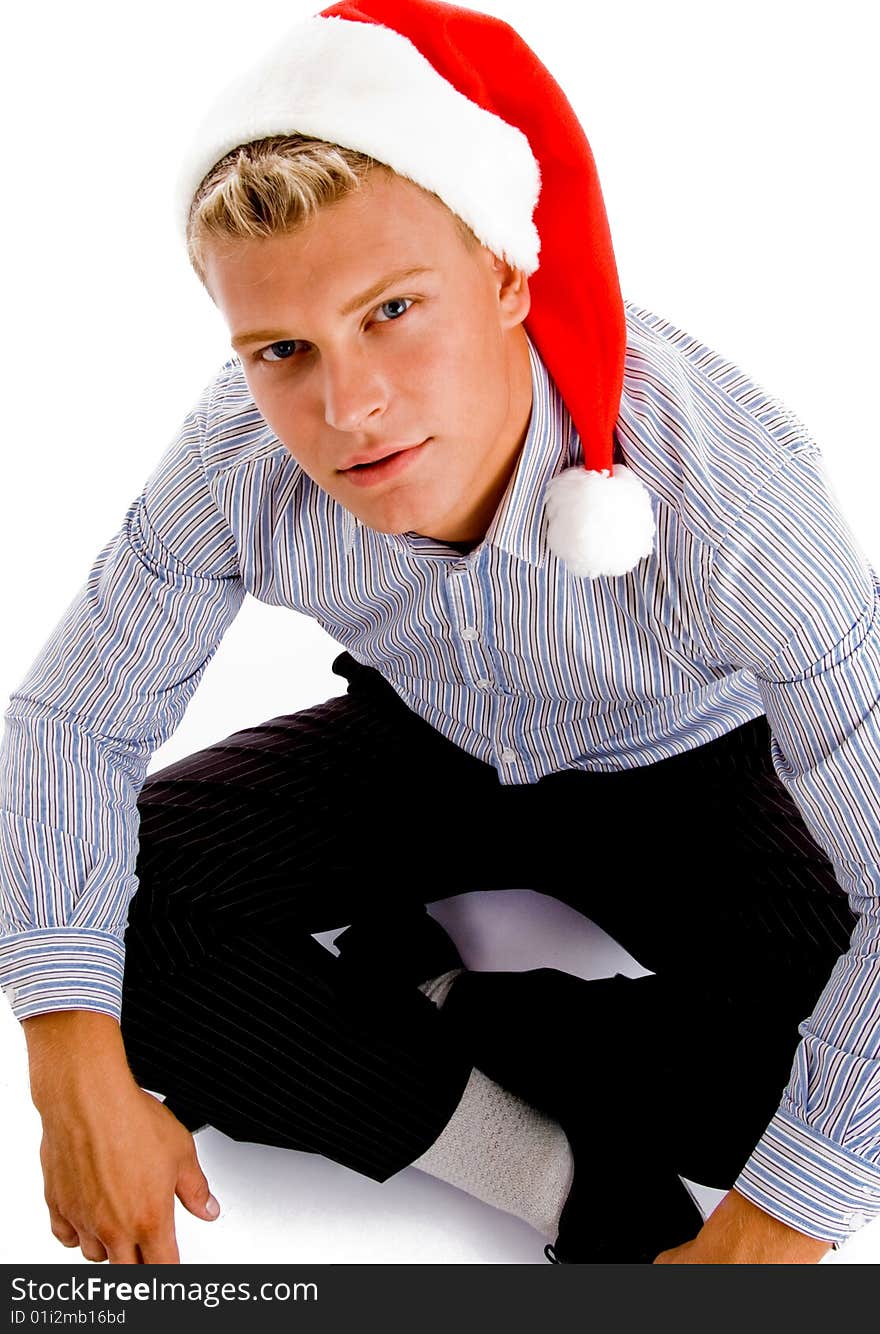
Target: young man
{"points": [[587, 576]]}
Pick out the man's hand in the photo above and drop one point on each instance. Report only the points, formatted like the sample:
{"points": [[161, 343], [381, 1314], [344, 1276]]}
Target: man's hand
{"points": [[112, 1165], [737, 1232], [113, 1156]]}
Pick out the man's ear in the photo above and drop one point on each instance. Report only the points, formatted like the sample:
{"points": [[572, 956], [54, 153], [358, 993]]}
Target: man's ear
{"points": [[514, 296]]}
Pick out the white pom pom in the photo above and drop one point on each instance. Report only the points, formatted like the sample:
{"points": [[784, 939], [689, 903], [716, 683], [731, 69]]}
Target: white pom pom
{"points": [[598, 524]]}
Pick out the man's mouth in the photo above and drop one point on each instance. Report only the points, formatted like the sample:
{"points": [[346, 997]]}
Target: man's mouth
{"points": [[386, 467], [369, 460], [359, 467]]}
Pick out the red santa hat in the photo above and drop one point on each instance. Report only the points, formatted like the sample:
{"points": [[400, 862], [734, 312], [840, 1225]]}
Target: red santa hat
{"points": [[456, 101]]}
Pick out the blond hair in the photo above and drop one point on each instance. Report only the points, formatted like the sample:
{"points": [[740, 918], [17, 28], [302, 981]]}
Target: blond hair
{"points": [[270, 186]]}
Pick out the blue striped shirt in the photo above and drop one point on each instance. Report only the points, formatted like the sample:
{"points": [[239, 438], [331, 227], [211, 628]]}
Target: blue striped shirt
{"points": [[757, 599]]}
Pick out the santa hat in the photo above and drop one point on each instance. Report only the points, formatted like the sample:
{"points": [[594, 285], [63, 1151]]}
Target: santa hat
{"points": [[456, 101]]}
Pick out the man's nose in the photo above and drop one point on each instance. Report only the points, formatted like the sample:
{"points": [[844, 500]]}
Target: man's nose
{"points": [[354, 392]]}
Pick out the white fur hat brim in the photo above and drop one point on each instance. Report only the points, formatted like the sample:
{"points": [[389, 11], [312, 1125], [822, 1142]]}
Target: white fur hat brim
{"points": [[366, 87]]}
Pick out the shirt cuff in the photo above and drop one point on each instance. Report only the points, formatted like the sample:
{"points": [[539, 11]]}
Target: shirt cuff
{"points": [[62, 968], [808, 1182]]}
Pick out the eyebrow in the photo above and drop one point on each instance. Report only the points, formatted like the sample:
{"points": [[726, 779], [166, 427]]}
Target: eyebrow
{"points": [[362, 299]]}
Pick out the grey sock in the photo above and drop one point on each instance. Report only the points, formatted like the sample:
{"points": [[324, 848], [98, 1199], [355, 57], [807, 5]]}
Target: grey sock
{"points": [[499, 1148]]}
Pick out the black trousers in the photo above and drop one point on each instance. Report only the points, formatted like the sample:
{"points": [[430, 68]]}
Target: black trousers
{"points": [[356, 810]]}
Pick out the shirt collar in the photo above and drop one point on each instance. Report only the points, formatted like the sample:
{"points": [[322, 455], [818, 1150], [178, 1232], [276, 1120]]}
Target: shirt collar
{"points": [[551, 445]]}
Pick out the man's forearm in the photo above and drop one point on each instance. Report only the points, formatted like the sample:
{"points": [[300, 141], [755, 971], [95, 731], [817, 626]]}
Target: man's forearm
{"points": [[62, 1043], [737, 1232]]}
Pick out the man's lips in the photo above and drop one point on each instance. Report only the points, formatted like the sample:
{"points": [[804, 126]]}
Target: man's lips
{"points": [[384, 467], [385, 452]]}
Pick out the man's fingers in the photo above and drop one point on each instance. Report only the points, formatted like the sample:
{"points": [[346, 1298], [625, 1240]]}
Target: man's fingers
{"points": [[160, 1248], [67, 1234], [192, 1187], [127, 1254], [156, 1247], [92, 1249], [64, 1231]]}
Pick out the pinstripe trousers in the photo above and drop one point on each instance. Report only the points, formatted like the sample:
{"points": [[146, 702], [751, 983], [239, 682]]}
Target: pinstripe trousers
{"points": [[356, 810]]}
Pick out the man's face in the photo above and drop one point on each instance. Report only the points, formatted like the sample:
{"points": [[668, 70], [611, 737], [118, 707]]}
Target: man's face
{"points": [[347, 361]]}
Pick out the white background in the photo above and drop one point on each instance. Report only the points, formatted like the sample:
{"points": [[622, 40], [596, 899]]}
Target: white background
{"points": [[737, 153]]}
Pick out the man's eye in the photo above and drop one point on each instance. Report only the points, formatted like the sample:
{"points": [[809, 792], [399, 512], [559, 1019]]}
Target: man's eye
{"points": [[280, 351], [404, 301], [284, 350]]}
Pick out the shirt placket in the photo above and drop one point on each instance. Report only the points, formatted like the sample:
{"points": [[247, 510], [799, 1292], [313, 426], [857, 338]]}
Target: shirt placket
{"points": [[469, 615]]}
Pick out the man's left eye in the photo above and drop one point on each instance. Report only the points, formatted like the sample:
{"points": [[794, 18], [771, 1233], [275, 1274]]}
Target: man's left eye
{"points": [[396, 301]]}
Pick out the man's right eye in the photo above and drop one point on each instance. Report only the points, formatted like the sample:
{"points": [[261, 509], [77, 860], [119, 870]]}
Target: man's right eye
{"points": [[280, 351]]}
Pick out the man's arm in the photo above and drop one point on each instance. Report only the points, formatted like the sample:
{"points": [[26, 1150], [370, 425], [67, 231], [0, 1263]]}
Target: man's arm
{"points": [[107, 689], [109, 686], [737, 1232], [793, 599]]}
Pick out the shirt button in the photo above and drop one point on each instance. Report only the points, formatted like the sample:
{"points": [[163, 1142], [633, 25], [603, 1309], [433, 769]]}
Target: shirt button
{"points": [[11, 993], [483, 682], [508, 756], [857, 1221], [469, 632]]}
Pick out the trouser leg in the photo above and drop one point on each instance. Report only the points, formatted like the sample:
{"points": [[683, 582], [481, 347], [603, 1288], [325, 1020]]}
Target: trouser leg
{"points": [[351, 812], [263, 1039], [230, 1007], [742, 919], [703, 869]]}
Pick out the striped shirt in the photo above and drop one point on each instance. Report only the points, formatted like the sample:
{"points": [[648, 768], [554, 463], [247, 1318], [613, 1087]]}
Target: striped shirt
{"points": [[757, 599]]}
